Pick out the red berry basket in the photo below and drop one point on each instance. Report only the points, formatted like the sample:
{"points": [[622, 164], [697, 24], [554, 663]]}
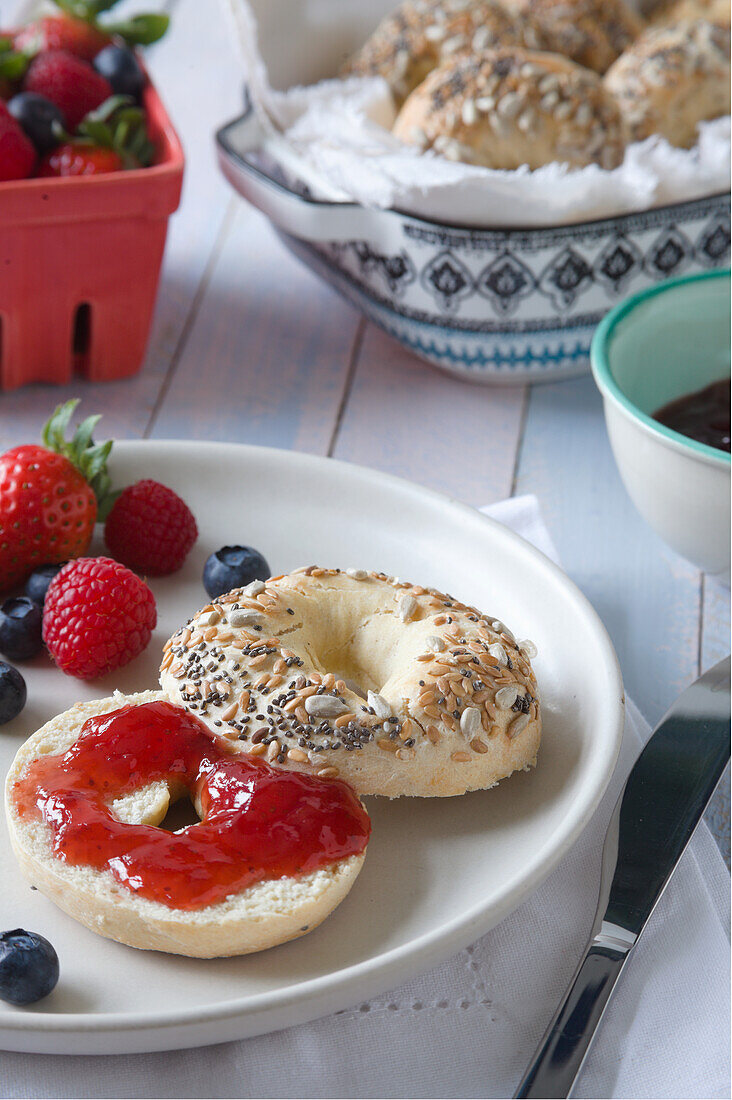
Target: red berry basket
{"points": [[79, 265]]}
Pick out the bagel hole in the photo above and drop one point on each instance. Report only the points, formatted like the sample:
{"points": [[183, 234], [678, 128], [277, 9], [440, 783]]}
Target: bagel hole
{"points": [[180, 815]]}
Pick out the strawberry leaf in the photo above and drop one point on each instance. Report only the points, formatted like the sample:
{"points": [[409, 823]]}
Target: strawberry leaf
{"points": [[89, 458], [140, 30], [13, 65]]}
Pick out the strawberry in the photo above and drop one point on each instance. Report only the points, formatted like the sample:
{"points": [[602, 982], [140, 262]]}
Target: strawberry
{"points": [[70, 83], [97, 617], [17, 155], [150, 528], [50, 497], [61, 32], [75, 158]]}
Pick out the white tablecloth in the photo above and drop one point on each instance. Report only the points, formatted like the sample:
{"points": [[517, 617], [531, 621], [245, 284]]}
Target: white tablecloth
{"points": [[468, 1028]]}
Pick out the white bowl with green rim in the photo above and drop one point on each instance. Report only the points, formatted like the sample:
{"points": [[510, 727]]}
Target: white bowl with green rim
{"points": [[653, 348]]}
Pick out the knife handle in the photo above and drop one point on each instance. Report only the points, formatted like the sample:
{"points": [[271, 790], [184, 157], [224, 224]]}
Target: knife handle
{"points": [[560, 1054]]}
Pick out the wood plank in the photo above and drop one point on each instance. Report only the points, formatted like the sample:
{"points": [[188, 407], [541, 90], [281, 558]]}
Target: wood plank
{"points": [[648, 598], [192, 46], [267, 356], [407, 418]]}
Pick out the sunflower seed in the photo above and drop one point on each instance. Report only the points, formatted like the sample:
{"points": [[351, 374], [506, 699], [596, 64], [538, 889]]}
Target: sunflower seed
{"points": [[325, 706], [485, 103], [378, 704], [469, 113], [254, 588], [482, 38], [506, 696], [451, 45], [470, 722], [407, 608], [510, 104], [210, 618], [239, 616]]}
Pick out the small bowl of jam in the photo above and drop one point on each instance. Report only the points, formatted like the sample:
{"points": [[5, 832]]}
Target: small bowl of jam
{"points": [[661, 360]]}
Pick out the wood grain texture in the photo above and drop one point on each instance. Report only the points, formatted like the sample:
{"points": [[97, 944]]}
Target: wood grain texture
{"points": [[407, 418], [266, 359]]}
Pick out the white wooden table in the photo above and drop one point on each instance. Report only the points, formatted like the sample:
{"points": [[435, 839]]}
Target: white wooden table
{"points": [[249, 346]]}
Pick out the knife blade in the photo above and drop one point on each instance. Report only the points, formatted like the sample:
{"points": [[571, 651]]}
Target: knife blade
{"points": [[661, 804]]}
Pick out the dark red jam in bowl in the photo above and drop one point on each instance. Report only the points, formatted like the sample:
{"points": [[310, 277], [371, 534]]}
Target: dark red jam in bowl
{"points": [[258, 822], [703, 415]]}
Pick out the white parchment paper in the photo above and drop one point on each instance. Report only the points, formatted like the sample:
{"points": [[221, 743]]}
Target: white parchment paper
{"points": [[338, 133]]}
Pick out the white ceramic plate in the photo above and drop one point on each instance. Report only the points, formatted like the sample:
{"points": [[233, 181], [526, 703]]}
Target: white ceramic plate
{"points": [[439, 872]]}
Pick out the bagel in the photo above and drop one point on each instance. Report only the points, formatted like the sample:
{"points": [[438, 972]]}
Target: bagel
{"points": [[672, 78], [509, 108], [590, 32], [420, 34], [396, 688], [110, 900]]}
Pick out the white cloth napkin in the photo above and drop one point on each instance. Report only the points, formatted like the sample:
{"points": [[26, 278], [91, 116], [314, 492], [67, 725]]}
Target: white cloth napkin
{"points": [[468, 1027]]}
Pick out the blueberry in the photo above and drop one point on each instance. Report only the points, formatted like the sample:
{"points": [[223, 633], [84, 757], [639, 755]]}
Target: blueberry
{"points": [[20, 628], [28, 967], [37, 115], [233, 567], [37, 584], [13, 693], [121, 68]]}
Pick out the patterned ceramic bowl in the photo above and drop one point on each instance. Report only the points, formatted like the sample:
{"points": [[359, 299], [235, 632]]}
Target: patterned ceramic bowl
{"points": [[489, 305]]}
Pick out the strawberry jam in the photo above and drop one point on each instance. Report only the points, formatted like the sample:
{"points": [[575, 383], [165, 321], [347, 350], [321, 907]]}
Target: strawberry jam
{"points": [[258, 822]]}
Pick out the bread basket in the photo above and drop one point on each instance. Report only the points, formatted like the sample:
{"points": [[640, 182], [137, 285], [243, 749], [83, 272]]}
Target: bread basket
{"points": [[489, 305]]}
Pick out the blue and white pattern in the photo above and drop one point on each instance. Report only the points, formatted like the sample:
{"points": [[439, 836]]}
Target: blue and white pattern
{"points": [[516, 305], [492, 305]]}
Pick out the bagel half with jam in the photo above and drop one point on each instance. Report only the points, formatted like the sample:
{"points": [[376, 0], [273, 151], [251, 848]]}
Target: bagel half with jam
{"points": [[84, 823]]}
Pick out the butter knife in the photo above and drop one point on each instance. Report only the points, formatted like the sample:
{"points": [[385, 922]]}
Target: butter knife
{"points": [[661, 804]]}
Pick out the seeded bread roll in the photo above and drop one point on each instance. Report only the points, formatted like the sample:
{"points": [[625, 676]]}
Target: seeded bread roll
{"points": [[398, 689], [671, 79], [591, 32], [509, 107], [673, 11], [263, 915], [413, 40]]}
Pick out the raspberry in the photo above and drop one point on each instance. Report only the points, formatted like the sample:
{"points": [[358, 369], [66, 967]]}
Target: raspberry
{"points": [[150, 529], [98, 616]]}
